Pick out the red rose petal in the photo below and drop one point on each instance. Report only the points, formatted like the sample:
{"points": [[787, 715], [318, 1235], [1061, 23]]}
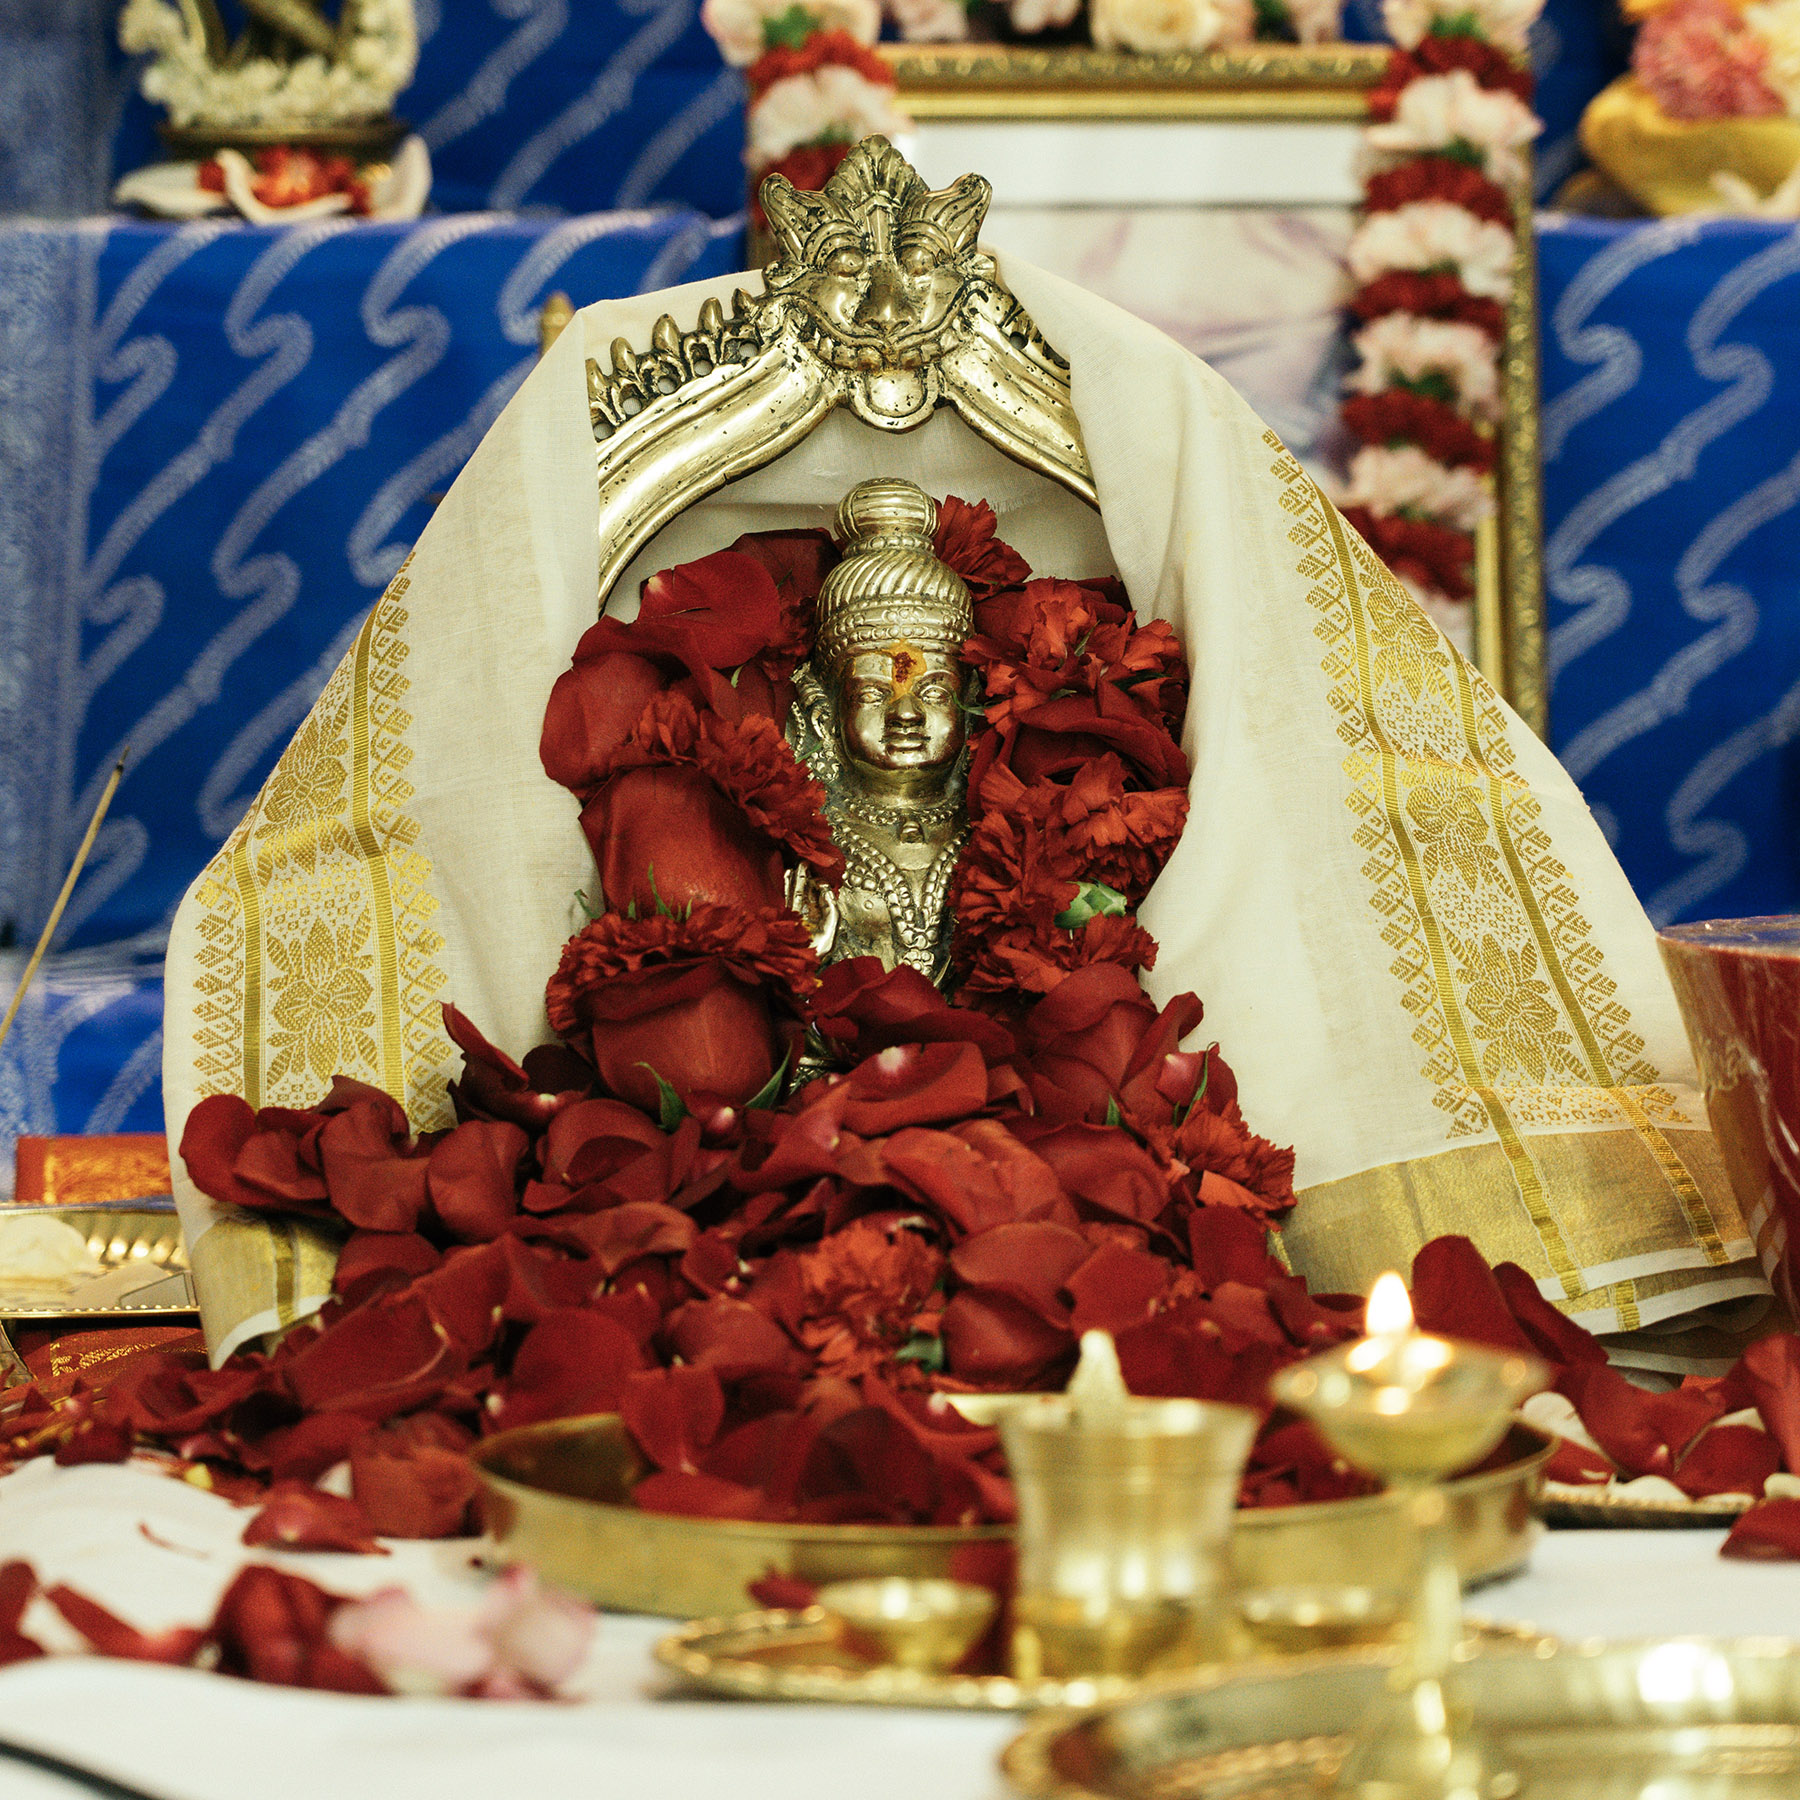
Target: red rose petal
{"points": [[1728, 1459], [472, 1177], [298, 1517], [1768, 1532], [571, 1362]]}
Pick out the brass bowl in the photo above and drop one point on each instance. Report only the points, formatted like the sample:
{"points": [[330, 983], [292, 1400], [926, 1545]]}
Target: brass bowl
{"points": [[558, 1496], [928, 1625]]}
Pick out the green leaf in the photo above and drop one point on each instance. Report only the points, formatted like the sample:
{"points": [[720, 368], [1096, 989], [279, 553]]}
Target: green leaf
{"points": [[927, 1352], [1113, 1115], [671, 1108], [768, 1095], [663, 909], [791, 28], [1462, 151], [587, 906], [1093, 900], [1462, 24], [1272, 22]]}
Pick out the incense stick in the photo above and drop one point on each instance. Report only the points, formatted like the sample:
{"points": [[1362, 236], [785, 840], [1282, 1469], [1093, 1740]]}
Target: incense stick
{"points": [[68, 887]]}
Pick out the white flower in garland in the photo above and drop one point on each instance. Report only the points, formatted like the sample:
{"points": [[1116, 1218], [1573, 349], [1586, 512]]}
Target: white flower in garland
{"points": [[1400, 347], [379, 51], [831, 105], [1166, 25], [1455, 114], [1777, 23], [930, 21], [1028, 17], [1504, 23], [1425, 235], [1316, 21], [1405, 479], [744, 29]]}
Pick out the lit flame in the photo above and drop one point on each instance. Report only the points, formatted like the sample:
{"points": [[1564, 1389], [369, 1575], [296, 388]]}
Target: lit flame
{"points": [[1390, 1312]]}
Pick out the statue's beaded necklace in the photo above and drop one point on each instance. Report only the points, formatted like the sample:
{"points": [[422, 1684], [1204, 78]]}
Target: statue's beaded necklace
{"points": [[917, 919]]}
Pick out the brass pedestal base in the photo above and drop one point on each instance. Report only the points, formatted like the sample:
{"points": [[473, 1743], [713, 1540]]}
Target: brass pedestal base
{"points": [[369, 140]]}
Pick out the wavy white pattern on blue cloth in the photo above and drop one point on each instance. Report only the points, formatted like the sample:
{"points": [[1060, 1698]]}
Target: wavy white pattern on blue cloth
{"points": [[1672, 483], [216, 445]]}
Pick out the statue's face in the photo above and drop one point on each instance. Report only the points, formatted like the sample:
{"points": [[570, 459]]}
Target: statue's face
{"points": [[900, 709]]}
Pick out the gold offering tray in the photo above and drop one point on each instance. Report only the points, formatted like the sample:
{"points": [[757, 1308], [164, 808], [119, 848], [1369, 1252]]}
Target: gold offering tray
{"points": [[802, 1656], [1679, 1719], [1605, 1508], [136, 1263], [557, 1496]]}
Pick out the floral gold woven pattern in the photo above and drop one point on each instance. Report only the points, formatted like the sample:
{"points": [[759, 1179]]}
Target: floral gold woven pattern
{"points": [[317, 949]]}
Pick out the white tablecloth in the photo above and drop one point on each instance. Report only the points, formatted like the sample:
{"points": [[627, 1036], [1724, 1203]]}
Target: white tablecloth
{"points": [[189, 1736]]}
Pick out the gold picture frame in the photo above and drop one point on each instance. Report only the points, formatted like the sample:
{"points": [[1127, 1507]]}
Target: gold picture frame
{"points": [[1290, 84]]}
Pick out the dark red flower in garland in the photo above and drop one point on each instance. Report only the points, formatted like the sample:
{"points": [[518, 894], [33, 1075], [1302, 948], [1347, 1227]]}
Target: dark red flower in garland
{"points": [[821, 49], [1439, 55], [1395, 416], [686, 1001], [1438, 178], [1437, 295], [1433, 555]]}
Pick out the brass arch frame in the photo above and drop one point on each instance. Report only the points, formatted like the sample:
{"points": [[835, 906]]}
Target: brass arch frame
{"points": [[879, 300]]}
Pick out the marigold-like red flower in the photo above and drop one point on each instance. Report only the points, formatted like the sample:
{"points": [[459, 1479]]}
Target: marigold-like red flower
{"points": [[965, 541], [1396, 416]]}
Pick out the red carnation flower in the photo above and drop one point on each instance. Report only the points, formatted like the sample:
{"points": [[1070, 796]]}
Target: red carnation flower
{"points": [[965, 541], [1029, 961], [1432, 555], [1438, 295], [1396, 416], [1438, 178]]}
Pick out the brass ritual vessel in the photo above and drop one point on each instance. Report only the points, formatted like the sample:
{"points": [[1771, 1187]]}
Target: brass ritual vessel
{"points": [[558, 1496], [1412, 1408]]}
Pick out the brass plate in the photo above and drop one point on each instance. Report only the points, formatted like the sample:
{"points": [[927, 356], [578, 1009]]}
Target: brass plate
{"points": [[1608, 1509], [1681, 1719], [798, 1656], [558, 1497], [143, 1263]]}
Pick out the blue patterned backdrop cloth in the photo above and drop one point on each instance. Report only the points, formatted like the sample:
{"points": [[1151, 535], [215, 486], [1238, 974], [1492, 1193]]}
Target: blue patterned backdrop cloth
{"points": [[218, 443], [1671, 478]]}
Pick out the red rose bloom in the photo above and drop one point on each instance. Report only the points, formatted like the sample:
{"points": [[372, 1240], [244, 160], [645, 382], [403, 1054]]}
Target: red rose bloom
{"points": [[687, 998], [965, 541]]}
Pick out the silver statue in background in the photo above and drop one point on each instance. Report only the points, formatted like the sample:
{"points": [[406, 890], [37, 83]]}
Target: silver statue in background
{"points": [[879, 719]]}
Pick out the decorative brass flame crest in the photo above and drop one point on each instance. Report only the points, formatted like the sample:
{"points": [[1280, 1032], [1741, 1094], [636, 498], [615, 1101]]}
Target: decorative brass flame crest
{"points": [[881, 300]]}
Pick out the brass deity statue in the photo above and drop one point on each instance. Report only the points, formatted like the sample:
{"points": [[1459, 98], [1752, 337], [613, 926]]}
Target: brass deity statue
{"points": [[880, 721]]}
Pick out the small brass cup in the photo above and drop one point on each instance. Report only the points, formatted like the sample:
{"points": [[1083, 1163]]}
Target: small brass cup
{"points": [[929, 1625]]}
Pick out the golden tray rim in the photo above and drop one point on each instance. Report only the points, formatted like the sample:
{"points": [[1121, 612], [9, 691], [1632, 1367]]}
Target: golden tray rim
{"points": [[62, 1301], [1565, 1504], [686, 1654], [1028, 1761], [676, 1565]]}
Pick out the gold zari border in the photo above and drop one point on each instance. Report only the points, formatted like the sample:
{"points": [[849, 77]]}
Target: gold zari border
{"points": [[1522, 1032], [1344, 1233]]}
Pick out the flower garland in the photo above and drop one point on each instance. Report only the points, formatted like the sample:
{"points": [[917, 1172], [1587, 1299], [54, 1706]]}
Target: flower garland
{"points": [[1432, 260]]}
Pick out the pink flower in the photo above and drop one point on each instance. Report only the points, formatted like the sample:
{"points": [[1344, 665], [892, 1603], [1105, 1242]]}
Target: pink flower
{"points": [[1435, 234], [1504, 23], [833, 104], [523, 1643], [738, 26], [930, 21], [1028, 17], [1403, 347], [1407, 481], [1699, 59], [1444, 112]]}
